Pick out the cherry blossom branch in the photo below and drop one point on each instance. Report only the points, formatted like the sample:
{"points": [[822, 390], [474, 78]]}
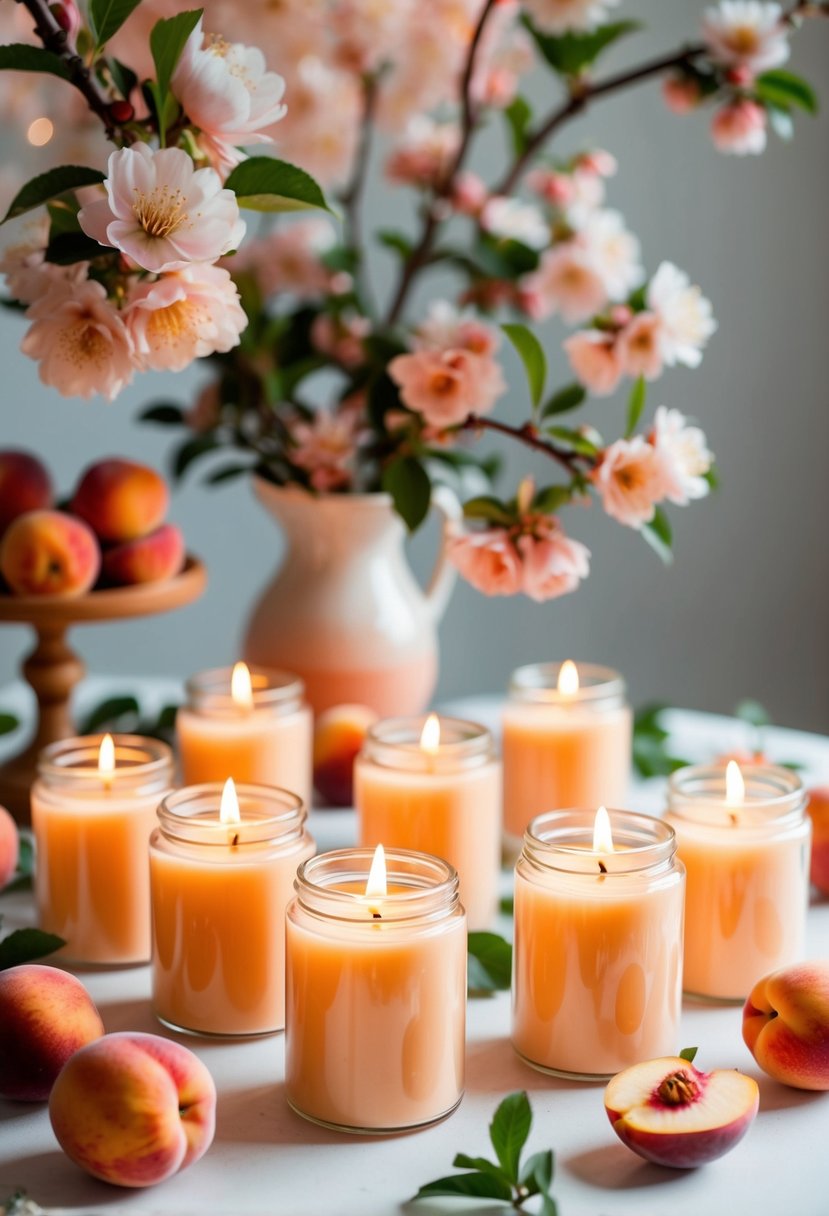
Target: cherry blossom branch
{"points": [[527, 434], [54, 39], [435, 211], [352, 196]]}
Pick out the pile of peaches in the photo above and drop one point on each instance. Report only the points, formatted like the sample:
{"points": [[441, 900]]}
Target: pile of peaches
{"points": [[110, 534]]}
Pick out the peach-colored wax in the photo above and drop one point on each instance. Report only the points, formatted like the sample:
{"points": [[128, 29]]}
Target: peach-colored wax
{"points": [[597, 979], [746, 899], [375, 1021], [219, 933], [91, 882], [255, 746], [560, 755], [455, 815]]}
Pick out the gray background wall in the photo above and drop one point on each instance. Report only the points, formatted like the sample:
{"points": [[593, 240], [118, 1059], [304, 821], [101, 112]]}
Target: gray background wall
{"points": [[744, 609]]}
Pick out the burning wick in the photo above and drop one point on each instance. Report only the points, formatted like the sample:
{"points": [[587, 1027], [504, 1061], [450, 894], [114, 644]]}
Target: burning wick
{"points": [[568, 679], [602, 836], [376, 884], [106, 760], [241, 687], [229, 812], [735, 788]]}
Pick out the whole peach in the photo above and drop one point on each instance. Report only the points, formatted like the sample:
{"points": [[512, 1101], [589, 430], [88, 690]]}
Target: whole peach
{"points": [[339, 734], [786, 1025], [819, 812], [133, 1109], [146, 560], [49, 553], [121, 500], [25, 485], [46, 1015], [9, 846]]}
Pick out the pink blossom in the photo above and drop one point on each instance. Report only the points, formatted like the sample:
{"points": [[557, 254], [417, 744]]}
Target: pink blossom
{"points": [[595, 360], [598, 161], [613, 251], [567, 282], [425, 154], [681, 94], [28, 275], [630, 480], [161, 212], [469, 193], [510, 219], [551, 185], [290, 259], [342, 337], [326, 449], [739, 128], [745, 33], [445, 328], [684, 453], [639, 346], [505, 54], [184, 316], [685, 316], [80, 340], [368, 32], [552, 564], [488, 560], [560, 16], [445, 387]]}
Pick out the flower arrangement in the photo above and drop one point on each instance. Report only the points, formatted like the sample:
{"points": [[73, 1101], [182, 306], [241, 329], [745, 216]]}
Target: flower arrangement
{"points": [[145, 264]]}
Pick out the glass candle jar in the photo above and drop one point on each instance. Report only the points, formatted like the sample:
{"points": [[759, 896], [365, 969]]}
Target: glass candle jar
{"points": [[219, 894], [376, 993], [567, 740], [434, 786], [597, 965], [748, 875], [92, 820], [258, 731]]}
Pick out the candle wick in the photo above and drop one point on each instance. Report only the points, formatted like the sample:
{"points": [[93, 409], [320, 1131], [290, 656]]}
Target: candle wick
{"points": [[733, 818], [602, 868], [235, 839], [375, 915]]}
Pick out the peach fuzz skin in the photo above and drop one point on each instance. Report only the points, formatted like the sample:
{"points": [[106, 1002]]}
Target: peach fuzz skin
{"points": [[25, 485], [49, 553], [46, 1015], [146, 560], [819, 813], [786, 1025], [134, 1109], [339, 733], [121, 500], [9, 846]]}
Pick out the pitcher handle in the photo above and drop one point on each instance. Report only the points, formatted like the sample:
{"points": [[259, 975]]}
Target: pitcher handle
{"points": [[443, 576]]}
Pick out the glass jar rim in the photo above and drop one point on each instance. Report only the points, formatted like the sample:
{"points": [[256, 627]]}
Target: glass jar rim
{"points": [[563, 840], [773, 794], [395, 743], [431, 886], [537, 683], [191, 815], [209, 691], [71, 765]]}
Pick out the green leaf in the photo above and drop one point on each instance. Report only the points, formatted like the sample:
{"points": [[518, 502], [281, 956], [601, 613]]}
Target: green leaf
{"points": [[753, 713], [507, 905], [538, 1169], [482, 1164], [518, 115], [784, 89], [551, 499], [689, 1054], [8, 723], [167, 41], [411, 490], [548, 1206], [227, 472], [108, 712], [476, 1186], [570, 54], [489, 963], [63, 216], [26, 944], [713, 478], [395, 241], [164, 414], [532, 356], [509, 1130], [264, 184], [573, 439], [67, 248], [489, 508], [49, 185], [107, 16], [193, 449], [124, 78], [20, 57], [659, 536], [636, 404], [566, 399]]}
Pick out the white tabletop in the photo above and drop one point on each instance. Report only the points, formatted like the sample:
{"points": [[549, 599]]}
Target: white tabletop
{"points": [[267, 1160]]}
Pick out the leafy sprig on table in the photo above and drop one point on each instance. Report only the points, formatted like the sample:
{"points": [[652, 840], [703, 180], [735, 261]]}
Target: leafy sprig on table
{"points": [[26, 945], [123, 712], [505, 1179], [489, 964]]}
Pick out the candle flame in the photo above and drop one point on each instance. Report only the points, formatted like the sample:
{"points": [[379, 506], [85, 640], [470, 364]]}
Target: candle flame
{"points": [[106, 757], [229, 806], [376, 883], [430, 737], [241, 688], [602, 835], [568, 679], [735, 786]]}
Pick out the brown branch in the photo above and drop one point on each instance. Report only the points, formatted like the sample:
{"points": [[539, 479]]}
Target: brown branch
{"points": [[54, 39], [351, 197], [528, 435]]}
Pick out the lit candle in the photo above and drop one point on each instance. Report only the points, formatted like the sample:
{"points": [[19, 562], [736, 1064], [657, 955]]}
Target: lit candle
{"points": [[597, 975], [376, 990], [93, 809], [222, 866], [566, 742], [744, 837], [248, 722], [435, 787]]}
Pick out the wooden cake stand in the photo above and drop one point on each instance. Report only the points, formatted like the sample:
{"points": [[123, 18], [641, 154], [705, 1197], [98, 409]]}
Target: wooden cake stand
{"points": [[53, 669]]}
